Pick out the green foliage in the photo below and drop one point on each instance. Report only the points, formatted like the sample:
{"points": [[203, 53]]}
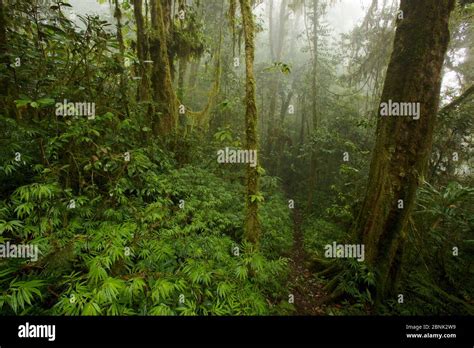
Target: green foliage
{"points": [[318, 233], [277, 236], [144, 236], [438, 277], [356, 281], [284, 68]]}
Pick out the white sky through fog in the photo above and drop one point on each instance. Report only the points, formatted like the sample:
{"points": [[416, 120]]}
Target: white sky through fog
{"points": [[345, 14], [341, 18], [90, 7]]}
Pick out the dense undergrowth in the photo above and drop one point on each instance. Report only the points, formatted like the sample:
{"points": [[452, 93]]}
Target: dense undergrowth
{"points": [[436, 278], [136, 237]]}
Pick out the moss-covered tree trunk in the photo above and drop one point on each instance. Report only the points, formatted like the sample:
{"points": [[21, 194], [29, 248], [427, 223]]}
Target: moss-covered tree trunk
{"points": [[403, 144], [167, 6], [142, 51], [183, 65], [3, 32], [121, 57], [163, 92], [252, 223], [3, 56]]}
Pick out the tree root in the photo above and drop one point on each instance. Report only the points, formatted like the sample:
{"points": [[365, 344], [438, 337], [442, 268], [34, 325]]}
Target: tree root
{"points": [[317, 264], [333, 297], [330, 270]]}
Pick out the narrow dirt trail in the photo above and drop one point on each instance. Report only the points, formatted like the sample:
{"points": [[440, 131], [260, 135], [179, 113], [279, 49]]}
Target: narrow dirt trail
{"points": [[307, 291]]}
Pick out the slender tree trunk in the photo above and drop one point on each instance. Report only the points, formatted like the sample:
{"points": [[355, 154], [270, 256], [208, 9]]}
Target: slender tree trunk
{"points": [[3, 53], [193, 73], [7, 87], [252, 223], [183, 60], [123, 84], [3, 31], [285, 104], [314, 90], [276, 48], [118, 17], [270, 31], [403, 145], [168, 27], [142, 51], [282, 27], [303, 118], [183, 64]]}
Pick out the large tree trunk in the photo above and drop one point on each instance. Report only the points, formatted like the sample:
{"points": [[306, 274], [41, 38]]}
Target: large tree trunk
{"points": [[403, 144], [252, 223], [142, 51], [164, 94]]}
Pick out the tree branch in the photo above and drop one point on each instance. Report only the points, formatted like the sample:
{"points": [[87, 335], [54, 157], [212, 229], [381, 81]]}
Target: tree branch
{"points": [[457, 101]]}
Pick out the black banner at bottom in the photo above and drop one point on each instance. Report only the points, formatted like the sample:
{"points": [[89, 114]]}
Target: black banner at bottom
{"points": [[195, 331]]}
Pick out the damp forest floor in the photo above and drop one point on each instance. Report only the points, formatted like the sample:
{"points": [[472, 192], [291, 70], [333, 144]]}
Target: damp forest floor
{"points": [[307, 290]]}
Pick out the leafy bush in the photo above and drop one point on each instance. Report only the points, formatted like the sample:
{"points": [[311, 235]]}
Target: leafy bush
{"points": [[438, 274]]}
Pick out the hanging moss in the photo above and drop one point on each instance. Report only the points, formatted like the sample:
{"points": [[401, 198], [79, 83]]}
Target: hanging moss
{"points": [[201, 118]]}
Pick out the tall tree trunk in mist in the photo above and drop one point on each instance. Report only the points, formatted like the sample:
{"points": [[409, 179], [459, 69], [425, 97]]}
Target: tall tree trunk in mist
{"points": [[403, 145], [183, 64], [276, 48], [183, 60], [314, 108], [252, 223], [193, 73], [164, 94]]}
